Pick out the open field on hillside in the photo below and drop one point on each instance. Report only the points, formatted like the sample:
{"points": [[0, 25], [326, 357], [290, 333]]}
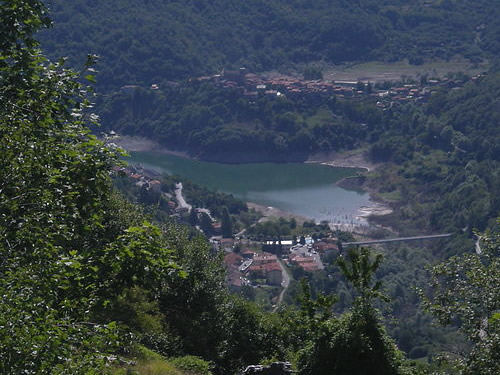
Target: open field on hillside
{"points": [[380, 71]]}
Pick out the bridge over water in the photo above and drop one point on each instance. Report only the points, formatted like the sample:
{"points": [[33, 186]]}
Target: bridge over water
{"points": [[398, 239]]}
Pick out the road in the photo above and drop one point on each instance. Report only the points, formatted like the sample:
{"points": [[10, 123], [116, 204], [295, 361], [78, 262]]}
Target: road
{"points": [[399, 239], [478, 245], [180, 198], [284, 284]]}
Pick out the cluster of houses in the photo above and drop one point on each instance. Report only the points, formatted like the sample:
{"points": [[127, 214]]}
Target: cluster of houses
{"points": [[252, 86], [248, 267]]}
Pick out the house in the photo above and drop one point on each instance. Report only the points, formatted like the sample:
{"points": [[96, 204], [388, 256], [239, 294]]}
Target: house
{"points": [[227, 244], [233, 260], [245, 265], [323, 246], [217, 226], [234, 281], [264, 258], [307, 263], [270, 271], [234, 75], [155, 185]]}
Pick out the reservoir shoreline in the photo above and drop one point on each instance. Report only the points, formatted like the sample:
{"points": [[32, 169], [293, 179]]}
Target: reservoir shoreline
{"points": [[353, 159]]}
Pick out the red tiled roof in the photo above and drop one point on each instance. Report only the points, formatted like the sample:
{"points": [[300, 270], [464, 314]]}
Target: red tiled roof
{"points": [[267, 267], [233, 259]]}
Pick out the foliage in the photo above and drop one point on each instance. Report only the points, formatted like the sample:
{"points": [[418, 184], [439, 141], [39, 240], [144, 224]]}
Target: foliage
{"points": [[283, 228], [65, 247], [193, 365], [465, 292], [356, 342], [218, 124], [312, 72], [444, 160], [359, 271], [227, 224]]}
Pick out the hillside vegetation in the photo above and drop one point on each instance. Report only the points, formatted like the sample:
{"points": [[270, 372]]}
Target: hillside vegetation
{"points": [[445, 159], [146, 41], [88, 279]]}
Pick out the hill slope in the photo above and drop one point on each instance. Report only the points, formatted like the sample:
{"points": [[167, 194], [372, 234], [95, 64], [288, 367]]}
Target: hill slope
{"points": [[148, 40]]}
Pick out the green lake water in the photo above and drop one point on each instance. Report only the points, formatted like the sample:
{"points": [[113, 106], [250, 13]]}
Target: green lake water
{"points": [[303, 189]]}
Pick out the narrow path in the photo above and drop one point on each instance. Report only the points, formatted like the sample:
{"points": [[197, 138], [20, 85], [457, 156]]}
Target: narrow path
{"points": [[284, 284]]}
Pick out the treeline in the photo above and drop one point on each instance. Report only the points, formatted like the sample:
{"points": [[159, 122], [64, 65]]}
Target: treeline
{"points": [[147, 41], [160, 204]]}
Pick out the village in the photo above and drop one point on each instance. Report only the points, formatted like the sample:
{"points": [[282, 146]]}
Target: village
{"points": [[249, 262], [252, 86]]}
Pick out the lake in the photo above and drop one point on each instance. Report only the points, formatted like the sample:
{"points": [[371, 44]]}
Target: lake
{"points": [[303, 189]]}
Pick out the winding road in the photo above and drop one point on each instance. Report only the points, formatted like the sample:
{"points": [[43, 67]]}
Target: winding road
{"points": [[180, 198]]}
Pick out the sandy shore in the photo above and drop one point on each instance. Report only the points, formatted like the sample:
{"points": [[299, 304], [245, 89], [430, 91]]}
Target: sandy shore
{"points": [[377, 209], [273, 212]]}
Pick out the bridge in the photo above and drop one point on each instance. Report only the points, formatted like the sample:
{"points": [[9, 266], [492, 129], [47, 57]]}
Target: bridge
{"points": [[398, 239]]}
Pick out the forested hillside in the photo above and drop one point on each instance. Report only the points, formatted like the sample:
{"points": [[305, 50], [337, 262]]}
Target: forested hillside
{"points": [[445, 158], [146, 41]]}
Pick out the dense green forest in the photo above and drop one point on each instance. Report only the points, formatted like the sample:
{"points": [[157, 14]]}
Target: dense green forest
{"points": [[148, 41], [87, 277], [218, 124]]}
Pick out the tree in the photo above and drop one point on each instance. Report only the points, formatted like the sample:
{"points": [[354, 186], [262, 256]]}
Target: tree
{"points": [[227, 224], [64, 244], [193, 217], [302, 240], [465, 292], [355, 343], [206, 224], [313, 73]]}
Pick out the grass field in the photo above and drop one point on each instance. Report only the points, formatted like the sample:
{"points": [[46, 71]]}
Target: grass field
{"points": [[380, 71]]}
